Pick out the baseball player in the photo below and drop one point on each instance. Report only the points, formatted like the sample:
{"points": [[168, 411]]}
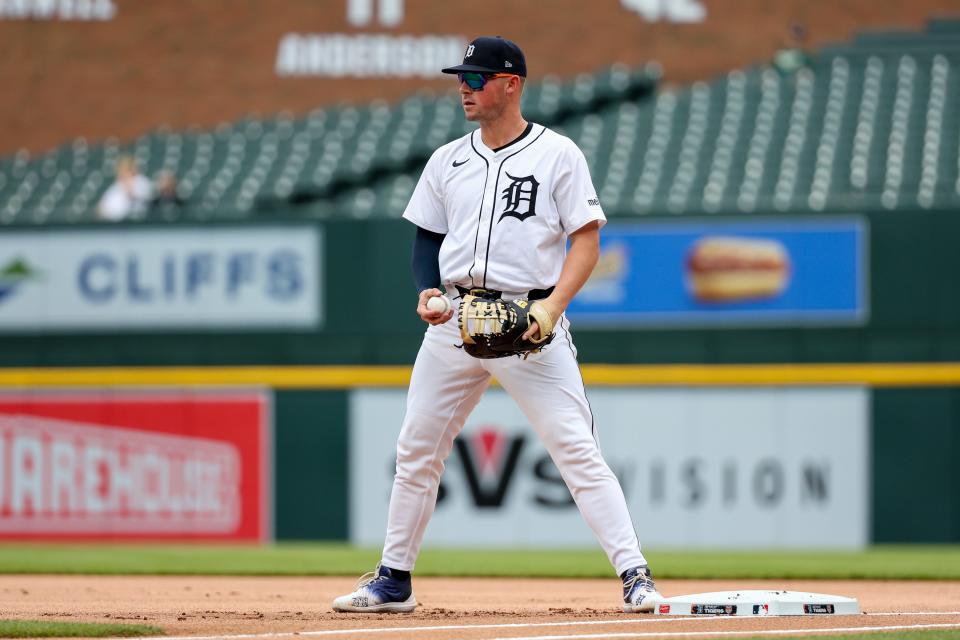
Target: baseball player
{"points": [[494, 212]]}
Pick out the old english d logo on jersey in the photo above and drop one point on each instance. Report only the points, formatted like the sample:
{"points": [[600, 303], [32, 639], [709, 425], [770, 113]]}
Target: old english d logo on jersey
{"points": [[540, 173], [521, 198]]}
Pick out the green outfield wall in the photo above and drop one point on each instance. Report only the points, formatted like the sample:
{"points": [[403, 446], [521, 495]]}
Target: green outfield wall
{"points": [[310, 465], [916, 432], [914, 479], [370, 331], [369, 318]]}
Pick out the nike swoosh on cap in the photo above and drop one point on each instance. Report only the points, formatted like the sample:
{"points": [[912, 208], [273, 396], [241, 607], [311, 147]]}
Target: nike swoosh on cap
{"points": [[458, 164]]}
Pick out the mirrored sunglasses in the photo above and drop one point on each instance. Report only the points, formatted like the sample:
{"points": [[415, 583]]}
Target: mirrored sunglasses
{"points": [[476, 81]]}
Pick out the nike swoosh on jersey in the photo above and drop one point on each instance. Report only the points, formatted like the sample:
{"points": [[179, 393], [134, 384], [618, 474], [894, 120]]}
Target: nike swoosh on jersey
{"points": [[458, 164]]}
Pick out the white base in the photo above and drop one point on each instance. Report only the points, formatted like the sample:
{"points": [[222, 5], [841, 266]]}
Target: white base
{"points": [[757, 603]]}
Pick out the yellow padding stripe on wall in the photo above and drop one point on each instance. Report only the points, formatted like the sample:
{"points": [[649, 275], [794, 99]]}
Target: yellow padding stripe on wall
{"points": [[341, 377]]}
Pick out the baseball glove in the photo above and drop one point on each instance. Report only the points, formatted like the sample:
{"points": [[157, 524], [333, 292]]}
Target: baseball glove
{"points": [[495, 328]]}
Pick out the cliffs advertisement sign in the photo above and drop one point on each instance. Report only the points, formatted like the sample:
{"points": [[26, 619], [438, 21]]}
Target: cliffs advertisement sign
{"points": [[164, 465], [225, 278], [735, 468]]}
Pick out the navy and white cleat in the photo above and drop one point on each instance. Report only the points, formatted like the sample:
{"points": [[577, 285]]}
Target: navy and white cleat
{"points": [[640, 594], [379, 592]]}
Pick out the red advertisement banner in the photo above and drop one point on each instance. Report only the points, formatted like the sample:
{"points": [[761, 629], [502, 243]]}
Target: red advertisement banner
{"points": [[104, 464]]}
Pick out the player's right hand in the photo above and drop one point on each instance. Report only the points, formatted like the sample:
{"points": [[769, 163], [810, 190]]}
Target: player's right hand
{"points": [[428, 316]]}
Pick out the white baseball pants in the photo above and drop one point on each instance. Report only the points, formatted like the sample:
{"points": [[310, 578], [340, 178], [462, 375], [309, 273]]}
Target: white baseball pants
{"points": [[445, 387]]}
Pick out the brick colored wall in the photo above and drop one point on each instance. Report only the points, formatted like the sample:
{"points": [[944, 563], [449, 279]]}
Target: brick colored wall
{"points": [[197, 62]]}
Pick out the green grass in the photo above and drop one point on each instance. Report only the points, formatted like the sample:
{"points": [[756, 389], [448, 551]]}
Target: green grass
{"points": [[42, 629], [881, 562]]}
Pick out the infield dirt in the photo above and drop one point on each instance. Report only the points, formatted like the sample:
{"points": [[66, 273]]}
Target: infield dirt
{"points": [[220, 606]]}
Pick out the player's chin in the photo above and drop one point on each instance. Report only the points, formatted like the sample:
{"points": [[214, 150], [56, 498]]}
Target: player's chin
{"points": [[470, 112]]}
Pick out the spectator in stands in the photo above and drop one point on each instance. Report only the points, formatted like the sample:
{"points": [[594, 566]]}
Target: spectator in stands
{"points": [[129, 196], [166, 201], [793, 56]]}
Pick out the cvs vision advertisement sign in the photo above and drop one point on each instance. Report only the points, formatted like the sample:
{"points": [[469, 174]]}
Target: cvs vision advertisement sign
{"points": [[699, 467], [168, 465]]}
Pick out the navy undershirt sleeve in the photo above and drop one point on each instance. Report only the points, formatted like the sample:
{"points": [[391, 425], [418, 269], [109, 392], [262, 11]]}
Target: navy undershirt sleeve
{"points": [[426, 259]]}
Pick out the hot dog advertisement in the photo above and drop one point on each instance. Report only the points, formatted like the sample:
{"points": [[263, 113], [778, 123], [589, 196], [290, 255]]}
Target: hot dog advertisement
{"points": [[728, 273]]}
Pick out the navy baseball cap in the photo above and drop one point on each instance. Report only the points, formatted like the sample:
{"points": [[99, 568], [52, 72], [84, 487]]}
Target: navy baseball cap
{"points": [[488, 54]]}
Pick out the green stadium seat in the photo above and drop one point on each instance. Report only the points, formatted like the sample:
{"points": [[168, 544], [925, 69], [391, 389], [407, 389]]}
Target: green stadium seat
{"points": [[871, 124]]}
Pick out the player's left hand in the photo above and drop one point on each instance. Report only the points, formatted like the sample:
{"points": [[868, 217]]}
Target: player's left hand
{"points": [[555, 312]]}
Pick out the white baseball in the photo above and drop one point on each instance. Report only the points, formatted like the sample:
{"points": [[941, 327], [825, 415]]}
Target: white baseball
{"points": [[438, 303]]}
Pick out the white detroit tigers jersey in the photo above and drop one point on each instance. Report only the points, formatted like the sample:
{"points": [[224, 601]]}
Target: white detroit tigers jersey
{"points": [[506, 213]]}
